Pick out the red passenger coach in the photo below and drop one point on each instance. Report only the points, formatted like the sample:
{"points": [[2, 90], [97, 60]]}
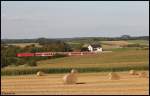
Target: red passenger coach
{"points": [[25, 54], [44, 54], [54, 53]]}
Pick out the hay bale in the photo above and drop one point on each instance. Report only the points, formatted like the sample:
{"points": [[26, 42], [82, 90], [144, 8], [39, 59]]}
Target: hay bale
{"points": [[133, 72], [143, 75], [70, 78], [74, 71], [40, 73], [113, 76]]}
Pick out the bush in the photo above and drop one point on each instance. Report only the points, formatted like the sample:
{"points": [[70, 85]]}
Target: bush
{"points": [[32, 63], [84, 49], [20, 61], [11, 60], [59, 55], [145, 48], [133, 45]]}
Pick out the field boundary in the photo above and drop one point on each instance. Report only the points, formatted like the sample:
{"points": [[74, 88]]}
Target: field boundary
{"points": [[27, 71]]}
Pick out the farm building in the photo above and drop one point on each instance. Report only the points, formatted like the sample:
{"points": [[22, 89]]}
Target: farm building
{"points": [[95, 48], [92, 48]]}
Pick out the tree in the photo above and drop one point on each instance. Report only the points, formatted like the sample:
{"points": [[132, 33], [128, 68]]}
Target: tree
{"points": [[125, 37], [3, 62], [95, 39], [84, 49], [20, 61]]}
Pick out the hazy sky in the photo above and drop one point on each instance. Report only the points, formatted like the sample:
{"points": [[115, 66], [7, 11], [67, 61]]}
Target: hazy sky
{"points": [[60, 19]]}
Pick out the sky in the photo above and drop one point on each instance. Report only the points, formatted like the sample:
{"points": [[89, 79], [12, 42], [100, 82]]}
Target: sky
{"points": [[67, 19]]}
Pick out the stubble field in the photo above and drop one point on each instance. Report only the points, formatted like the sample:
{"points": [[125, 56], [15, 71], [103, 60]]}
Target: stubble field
{"points": [[88, 83]]}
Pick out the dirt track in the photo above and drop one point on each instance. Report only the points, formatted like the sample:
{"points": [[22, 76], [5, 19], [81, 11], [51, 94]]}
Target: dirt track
{"points": [[89, 83]]}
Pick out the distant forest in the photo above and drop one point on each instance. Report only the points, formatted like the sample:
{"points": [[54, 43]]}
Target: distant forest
{"points": [[123, 37]]}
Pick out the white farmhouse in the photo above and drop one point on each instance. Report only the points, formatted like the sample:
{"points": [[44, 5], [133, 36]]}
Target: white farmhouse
{"points": [[95, 48]]}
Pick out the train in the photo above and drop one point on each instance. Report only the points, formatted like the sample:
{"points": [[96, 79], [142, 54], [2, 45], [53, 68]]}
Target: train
{"points": [[53, 53]]}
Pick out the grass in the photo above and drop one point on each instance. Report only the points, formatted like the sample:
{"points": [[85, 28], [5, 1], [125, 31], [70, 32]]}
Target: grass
{"points": [[121, 60], [25, 44], [109, 45], [27, 71], [141, 42], [116, 57], [117, 43]]}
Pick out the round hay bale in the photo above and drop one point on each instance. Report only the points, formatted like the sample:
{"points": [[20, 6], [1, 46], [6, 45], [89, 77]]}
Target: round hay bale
{"points": [[40, 73], [113, 76], [70, 78], [143, 75], [133, 72], [74, 71]]}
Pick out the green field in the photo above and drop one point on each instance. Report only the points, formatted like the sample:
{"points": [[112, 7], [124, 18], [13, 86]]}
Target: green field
{"points": [[109, 45], [115, 58], [118, 60], [142, 42], [25, 44]]}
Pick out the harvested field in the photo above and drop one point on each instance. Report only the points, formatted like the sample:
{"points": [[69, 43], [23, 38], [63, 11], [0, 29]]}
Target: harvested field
{"points": [[25, 44], [119, 43], [88, 83], [142, 42]]}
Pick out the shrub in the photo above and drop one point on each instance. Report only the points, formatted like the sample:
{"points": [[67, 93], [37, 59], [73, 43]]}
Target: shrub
{"points": [[84, 49], [32, 63], [59, 55]]}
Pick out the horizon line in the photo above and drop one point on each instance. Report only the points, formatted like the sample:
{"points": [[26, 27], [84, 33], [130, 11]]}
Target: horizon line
{"points": [[76, 37]]}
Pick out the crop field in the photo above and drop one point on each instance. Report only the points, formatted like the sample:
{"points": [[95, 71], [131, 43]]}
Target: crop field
{"points": [[142, 42], [108, 45], [88, 83], [25, 44], [119, 43], [115, 58], [125, 42], [105, 44], [119, 60], [92, 78]]}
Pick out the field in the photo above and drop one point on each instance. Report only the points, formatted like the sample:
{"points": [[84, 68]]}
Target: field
{"points": [[119, 43], [117, 60], [142, 42], [108, 45], [93, 73], [25, 44], [88, 83]]}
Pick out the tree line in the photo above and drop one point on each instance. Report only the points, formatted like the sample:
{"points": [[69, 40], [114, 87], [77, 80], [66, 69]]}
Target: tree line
{"points": [[8, 52], [123, 37]]}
